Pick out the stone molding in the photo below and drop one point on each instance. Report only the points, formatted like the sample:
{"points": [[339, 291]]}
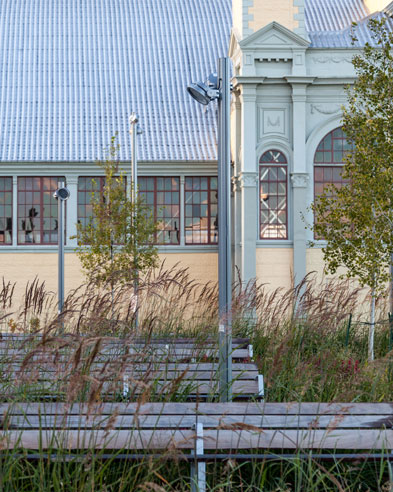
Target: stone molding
{"points": [[300, 180], [325, 108], [71, 179], [247, 179]]}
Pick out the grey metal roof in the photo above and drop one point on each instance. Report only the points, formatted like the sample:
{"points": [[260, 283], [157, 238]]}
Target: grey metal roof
{"points": [[71, 72], [333, 15], [329, 23]]}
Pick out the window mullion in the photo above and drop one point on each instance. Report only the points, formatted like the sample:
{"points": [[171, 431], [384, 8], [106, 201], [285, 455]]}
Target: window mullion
{"points": [[14, 211], [182, 220]]}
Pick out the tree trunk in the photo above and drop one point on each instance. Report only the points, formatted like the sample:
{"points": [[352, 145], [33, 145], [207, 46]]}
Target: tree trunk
{"points": [[391, 285], [372, 327]]}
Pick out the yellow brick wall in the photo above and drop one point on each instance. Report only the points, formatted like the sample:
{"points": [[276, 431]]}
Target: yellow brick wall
{"points": [[24, 267], [266, 11], [274, 267], [376, 5]]}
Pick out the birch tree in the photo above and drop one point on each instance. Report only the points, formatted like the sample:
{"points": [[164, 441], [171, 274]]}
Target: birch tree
{"points": [[356, 220], [117, 243]]}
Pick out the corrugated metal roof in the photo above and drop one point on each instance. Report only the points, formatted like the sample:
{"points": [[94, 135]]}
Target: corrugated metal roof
{"points": [[344, 38], [329, 23], [333, 15], [71, 72]]}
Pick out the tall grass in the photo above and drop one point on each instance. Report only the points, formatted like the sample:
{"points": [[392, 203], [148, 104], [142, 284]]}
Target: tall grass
{"points": [[300, 345]]}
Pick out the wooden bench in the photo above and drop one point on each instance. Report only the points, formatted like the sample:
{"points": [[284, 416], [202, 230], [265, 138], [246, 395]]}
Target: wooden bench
{"points": [[160, 369], [208, 431]]}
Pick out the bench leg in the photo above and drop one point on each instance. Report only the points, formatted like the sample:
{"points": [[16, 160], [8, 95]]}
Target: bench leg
{"points": [[198, 469]]}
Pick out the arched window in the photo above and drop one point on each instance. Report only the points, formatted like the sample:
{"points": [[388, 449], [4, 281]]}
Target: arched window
{"points": [[329, 161], [273, 195]]}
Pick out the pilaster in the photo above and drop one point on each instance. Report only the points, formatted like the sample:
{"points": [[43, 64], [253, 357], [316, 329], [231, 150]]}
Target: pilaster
{"points": [[299, 176], [14, 211], [236, 158], [72, 209], [247, 177], [182, 213], [300, 182], [248, 182]]}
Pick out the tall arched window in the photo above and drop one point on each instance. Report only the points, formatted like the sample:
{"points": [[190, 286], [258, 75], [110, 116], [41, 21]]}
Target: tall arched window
{"points": [[329, 161], [273, 195]]}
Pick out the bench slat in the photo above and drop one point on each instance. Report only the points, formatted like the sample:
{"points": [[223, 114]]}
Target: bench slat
{"points": [[192, 387], [306, 422], [46, 373], [103, 355], [369, 439], [233, 408]]}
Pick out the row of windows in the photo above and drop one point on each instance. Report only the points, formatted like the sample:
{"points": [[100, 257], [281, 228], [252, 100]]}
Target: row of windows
{"points": [[37, 209]]}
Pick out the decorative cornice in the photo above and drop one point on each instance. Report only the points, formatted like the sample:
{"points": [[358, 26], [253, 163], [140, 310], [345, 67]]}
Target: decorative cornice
{"points": [[71, 179], [325, 108], [248, 179], [300, 180], [321, 60]]}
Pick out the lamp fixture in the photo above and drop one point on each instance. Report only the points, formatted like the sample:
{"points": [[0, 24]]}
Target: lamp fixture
{"points": [[62, 193], [204, 92]]}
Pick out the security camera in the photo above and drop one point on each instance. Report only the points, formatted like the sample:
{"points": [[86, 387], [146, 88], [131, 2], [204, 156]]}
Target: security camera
{"points": [[62, 193], [134, 118]]}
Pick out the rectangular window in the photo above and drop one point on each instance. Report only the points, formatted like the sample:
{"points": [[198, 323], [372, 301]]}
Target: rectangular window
{"points": [[323, 177], [162, 194], [86, 186], [327, 175], [201, 200], [37, 210], [5, 210], [273, 202]]}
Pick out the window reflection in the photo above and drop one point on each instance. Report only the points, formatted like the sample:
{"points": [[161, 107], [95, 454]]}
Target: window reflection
{"points": [[37, 210], [273, 195], [5, 210], [162, 194], [201, 212]]}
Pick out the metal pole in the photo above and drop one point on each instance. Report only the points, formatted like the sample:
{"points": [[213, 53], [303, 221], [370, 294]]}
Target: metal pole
{"points": [[134, 119], [60, 239], [224, 233]]}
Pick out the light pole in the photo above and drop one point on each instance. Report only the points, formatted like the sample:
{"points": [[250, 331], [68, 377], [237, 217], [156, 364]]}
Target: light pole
{"points": [[61, 194], [135, 130], [218, 87]]}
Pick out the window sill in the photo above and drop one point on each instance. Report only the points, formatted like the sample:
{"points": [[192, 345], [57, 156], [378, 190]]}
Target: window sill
{"points": [[275, 243]]}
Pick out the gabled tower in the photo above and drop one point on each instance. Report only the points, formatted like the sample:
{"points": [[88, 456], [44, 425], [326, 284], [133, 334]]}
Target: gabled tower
{"points": [[268, 50], [250, 15]]}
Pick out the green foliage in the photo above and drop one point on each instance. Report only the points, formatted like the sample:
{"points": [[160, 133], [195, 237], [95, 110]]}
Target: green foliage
{"points": [[117, 243], [357, 220]]}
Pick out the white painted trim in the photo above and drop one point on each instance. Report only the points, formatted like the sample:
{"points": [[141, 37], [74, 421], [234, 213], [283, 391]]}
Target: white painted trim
{"points": [[209, 248]]}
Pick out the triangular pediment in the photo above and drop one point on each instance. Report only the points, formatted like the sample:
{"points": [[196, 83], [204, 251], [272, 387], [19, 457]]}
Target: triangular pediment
{"points": [[274, 35]]}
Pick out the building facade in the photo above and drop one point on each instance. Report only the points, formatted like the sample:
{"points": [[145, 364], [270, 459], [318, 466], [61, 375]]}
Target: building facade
{"points": [[70, 75]]}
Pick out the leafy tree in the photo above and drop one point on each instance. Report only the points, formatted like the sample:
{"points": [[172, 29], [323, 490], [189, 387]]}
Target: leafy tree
{"points": [[356, 220], [117, 243]]}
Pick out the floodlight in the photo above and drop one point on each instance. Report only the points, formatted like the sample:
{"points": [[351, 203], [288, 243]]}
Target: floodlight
{"points": [[134, 118], [204, 92], [62, 193]]}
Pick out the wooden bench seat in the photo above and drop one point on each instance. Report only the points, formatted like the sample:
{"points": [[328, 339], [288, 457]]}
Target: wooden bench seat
{"points": [[178, 368], [208, 430]]}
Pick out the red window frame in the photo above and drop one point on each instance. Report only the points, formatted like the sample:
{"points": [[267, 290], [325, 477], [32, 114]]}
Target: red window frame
{"points": [[329, 162], [84, 196], [201, 210], [35, 200], [273, 196], [162, 194], [6, 204]]}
